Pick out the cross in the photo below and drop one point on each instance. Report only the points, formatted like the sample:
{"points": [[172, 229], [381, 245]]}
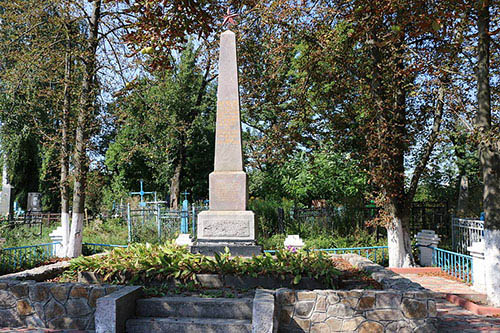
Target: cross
{"points": [[185, 193], [142, 193], [228, 18]]}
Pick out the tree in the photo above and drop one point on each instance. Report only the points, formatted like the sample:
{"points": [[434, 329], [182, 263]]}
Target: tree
{"points": [[86, 111], [489, 150], [165, 130]]}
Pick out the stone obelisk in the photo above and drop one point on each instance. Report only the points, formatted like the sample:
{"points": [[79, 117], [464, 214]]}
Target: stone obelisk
{"points": [[227, 222]]}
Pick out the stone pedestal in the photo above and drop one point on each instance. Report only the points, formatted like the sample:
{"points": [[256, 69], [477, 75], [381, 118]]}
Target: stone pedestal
{"points": [[426, 240], [228, 190], [476, 251]]}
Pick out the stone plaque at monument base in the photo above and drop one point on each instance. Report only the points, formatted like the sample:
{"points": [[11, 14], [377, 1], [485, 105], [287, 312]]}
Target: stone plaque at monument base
{"points": [[227, 223]]}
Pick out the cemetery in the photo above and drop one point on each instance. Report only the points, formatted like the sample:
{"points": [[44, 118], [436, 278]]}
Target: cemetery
{"points": [[269, 166]]}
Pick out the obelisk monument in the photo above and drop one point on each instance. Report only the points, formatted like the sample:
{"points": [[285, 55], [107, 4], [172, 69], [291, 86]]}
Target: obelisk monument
{"points": [[227, 222]]}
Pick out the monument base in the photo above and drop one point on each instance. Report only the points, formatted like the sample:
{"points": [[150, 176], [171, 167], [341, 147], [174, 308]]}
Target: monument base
{"points": [[218, 229], [242, 249], [226, 226]]}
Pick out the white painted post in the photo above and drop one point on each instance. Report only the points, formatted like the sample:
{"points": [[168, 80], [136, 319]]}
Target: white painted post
{"points": [[293, 241], [476, 250], [427, 239]]}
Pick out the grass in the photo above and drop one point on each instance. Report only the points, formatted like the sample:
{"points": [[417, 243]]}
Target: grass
{"points": [[25, 235]]}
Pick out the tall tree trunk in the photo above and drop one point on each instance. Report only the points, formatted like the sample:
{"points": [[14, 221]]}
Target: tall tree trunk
{"points": [[82, 133], [398, 237], [463, 196], [64, 185], [489, 151], [175, 182]]}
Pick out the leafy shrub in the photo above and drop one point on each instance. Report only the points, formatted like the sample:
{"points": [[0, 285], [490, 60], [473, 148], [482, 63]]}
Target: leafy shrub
{"points": [[142, 263], [272, 243]]}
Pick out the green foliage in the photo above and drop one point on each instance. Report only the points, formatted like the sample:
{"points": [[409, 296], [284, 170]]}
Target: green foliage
{"points": [[25, 235], [142, 263], [162, 121], [274, 242], [110, 231], [358, 238]]}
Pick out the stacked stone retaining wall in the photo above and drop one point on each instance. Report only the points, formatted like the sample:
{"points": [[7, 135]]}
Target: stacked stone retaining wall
{"points": [[403, 306], [50, 305], [355, 311]]}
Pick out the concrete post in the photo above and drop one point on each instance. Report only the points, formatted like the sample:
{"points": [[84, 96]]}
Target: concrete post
{"points": [[426, 240], [476, 250]]}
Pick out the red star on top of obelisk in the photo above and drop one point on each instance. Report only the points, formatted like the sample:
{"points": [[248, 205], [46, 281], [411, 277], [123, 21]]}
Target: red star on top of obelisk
{"points": [[228, 18]]}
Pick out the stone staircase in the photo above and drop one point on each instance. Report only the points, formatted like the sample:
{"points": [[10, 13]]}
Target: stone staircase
{"points": [[192, 314]]}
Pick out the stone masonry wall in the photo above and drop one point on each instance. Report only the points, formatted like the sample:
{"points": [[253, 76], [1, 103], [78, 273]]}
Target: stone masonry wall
{"points": [[50, 305], [355, 311]]}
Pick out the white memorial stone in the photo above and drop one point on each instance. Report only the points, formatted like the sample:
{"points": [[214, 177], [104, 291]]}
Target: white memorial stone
{"points": [[427, 239], [57, 237], [184, 240], [293, 241]]}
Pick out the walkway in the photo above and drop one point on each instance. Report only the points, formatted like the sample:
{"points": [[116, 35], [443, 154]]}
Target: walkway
{"points": [[453, 318]]}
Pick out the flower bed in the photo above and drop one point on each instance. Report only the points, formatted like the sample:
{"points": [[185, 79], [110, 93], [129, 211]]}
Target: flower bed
{"points": [[146, 264]]}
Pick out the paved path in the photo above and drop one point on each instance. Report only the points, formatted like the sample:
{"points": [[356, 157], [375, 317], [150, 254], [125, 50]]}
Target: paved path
{"points": [[453, 318]]}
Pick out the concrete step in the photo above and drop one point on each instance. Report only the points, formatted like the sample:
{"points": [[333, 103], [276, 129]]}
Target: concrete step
{"points": [[195, 307], [188, 325]]}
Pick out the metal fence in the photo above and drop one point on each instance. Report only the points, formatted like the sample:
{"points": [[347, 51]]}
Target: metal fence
{"points": [[157, 223], [424, 215], [464, 232], [13, 259], [378, 254], [455, 264], [430, 215]]}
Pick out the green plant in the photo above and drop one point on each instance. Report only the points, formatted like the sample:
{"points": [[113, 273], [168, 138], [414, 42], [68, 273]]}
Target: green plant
{"points": [[142, 263]]}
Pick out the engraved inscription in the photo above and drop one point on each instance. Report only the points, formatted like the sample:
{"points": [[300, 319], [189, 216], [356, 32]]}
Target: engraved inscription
{"points": [[228, 122], [225, 227]]}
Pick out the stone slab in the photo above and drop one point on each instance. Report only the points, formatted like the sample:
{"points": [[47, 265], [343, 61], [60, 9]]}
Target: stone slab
{"points": [[243, 250], [115, 309], [226, 226], [264, 317], [195, 307], [228, 190], [39, 274], [6, 200], [188, 325]]}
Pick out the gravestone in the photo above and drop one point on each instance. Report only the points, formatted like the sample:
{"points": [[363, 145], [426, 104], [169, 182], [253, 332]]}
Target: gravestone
{"points": [[227, 223], [5, 195], [34, 202]]}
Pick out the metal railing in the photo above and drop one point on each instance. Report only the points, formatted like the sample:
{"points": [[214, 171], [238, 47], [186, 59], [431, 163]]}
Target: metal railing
{"points": [[455, 264], [377, 254], [159, 223], [464, 232], [93, 248], [13, 259]]}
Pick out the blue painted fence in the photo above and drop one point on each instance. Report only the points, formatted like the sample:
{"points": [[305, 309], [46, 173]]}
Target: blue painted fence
{"points": [[456, 264], [13, 259]]}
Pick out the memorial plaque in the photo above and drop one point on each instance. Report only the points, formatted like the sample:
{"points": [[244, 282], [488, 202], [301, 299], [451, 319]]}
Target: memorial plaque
{"points": [[34, 202]]}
